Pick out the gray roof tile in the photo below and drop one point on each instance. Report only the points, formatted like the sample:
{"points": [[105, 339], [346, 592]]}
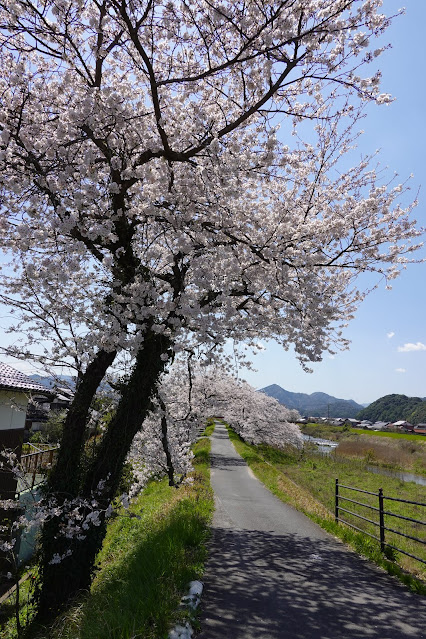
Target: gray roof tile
{"points": [[12, 379]]}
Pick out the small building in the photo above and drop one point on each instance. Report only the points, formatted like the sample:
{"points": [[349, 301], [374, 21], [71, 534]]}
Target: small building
{"points": [[350, 421], [403, 426], [41, 404], [62, 398], [37, 415], [380, 426], [15, 391], [420, 429]]}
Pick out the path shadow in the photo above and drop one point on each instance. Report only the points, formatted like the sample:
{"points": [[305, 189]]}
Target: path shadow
{"points": [[221, 433], [226, 463], [262, 585]]}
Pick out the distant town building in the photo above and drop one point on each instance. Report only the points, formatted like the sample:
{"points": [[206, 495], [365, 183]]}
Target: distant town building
{"points": [[420, 429], [379, 426], [57, 399], [403, 426], [353, 423]]}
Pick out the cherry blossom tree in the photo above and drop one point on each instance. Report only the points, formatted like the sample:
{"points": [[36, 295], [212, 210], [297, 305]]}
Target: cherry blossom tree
{"points": [[186, 398], [170, 179], [163, 444], [256, 417]]}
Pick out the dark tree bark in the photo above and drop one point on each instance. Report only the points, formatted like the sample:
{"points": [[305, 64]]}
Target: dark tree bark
{"points": [[61, 582], [165, 443], [65, 476], [65, 479]]}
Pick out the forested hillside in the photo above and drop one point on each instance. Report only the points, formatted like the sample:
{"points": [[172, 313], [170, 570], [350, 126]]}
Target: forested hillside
{"points": [[418, 416], [392, 408], [316, 404]]}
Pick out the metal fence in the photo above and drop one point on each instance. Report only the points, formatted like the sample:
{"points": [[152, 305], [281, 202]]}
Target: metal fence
{"points": [[380, 511]]}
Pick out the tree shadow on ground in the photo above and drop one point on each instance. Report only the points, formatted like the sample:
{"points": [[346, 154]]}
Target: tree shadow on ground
{"points": [[262, 585], [225, 463]]}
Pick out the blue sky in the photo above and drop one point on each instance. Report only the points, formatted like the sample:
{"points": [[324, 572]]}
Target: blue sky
{"points": [[387, 320]]}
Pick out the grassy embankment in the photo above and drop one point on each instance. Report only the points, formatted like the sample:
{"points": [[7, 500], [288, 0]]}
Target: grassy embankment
{"points": [[145, 565], [307, 481], [398, 451]]}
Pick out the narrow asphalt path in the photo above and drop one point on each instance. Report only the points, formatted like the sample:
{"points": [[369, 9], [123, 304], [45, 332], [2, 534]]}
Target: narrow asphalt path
{"points": [[274, 574]]}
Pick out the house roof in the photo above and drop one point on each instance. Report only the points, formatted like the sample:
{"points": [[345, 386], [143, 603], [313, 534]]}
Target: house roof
{"points": [[11, 379], [379, 425], [62, 398]]}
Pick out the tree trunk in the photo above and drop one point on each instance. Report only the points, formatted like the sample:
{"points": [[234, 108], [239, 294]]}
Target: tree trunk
{"points": [[65, 476], [65, 482], [165, 444], [134, 406], [61, 582]]}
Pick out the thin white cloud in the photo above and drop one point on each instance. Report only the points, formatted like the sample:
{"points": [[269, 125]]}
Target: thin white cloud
{"points": [[390, 335], [400, 370], [408, 348]]}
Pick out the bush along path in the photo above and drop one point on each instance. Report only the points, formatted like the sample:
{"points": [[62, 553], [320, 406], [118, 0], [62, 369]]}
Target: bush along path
{"points": [[274, 574], [144, 568]]}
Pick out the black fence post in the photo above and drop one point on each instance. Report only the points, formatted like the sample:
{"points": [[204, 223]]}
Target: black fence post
{"points": [[382, 520], [336, 506]]}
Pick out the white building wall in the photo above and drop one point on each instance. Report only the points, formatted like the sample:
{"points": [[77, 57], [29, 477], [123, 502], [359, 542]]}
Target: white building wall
{"points": [[13, 408]]}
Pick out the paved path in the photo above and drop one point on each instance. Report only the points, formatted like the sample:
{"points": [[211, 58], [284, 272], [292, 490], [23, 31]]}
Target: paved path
{"points": [[274, 574]]}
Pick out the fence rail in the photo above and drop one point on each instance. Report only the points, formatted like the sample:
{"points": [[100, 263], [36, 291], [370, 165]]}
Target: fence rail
{"points": [[33, 463], [380, 509]]}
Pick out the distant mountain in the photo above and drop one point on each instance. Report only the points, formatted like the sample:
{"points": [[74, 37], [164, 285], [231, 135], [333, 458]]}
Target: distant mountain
{"points": [[66, 381], [315, 405], [49, 382], [392, 408]]}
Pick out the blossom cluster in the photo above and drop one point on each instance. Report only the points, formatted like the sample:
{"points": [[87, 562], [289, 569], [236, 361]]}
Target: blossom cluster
{"points": [[143, 176]]}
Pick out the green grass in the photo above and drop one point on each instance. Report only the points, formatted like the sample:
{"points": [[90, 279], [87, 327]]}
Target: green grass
{"points": [[382, 433], [324, 430], [145, 565], [308, 482], [209, 428]]}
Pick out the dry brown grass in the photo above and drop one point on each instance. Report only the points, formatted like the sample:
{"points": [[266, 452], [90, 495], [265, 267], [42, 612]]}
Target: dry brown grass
{"points": [[407, 455]]}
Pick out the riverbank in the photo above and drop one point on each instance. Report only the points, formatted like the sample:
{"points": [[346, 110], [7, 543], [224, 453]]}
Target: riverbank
{"points": [[395, 451]]}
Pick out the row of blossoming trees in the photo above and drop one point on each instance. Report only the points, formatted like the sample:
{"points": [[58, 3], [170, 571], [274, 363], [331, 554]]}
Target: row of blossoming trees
{"points": [[163, 445], [175, 174]]}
